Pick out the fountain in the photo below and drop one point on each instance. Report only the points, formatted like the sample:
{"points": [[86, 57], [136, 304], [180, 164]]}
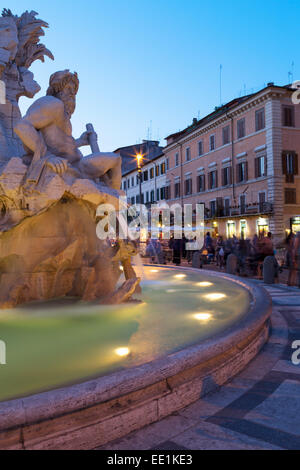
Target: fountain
{"points": [[83, 365]]}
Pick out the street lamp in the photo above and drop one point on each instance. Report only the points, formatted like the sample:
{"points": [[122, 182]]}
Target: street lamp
{"points": [[139, 159]]}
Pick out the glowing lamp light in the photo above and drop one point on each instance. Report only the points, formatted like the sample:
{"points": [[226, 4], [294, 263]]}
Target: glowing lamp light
{"points": [[204, 284], [202, 316], [180, 276], [139, 159], [215, 296], [122, 352]]}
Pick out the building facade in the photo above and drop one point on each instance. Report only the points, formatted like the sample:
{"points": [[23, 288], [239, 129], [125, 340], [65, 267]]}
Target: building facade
{"points": [[241, 161], [154, 168]]}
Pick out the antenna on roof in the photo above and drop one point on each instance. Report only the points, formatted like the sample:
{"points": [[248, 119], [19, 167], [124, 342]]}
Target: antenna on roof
{"points": [[221, 67], [291, 73]]}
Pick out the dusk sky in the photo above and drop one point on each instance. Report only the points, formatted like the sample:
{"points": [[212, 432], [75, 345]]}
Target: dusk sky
{"points": [[143, 61]]}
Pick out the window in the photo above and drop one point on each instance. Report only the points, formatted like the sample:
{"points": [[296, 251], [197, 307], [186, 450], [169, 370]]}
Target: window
{"points": [[177, 190], [226, 176], [261, 201], [162, 194], [162, 168], [289, 165], [242, 172], [167, 164], [243, 203], [187, 154], [212, 180], [212, 142], [137, 179], [227, 206], [201, 183], [225, 132], [132, 181], [288, 118], [145, 175], [151, 173], [133, 200], [157, 194], [259, 119], [212, 208], [188, 186], [168, 192], [152, 196], [157, 170], [124, 185], [200, 148], [241, 132], [128, 184], [290, 196], [177, 159], [260, 166]]}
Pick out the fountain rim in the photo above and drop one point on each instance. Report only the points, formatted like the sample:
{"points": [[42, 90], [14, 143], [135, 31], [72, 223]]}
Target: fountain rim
{"points": [[73, 398]]}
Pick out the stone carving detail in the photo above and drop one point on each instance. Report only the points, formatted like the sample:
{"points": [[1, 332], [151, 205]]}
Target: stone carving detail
{"points": [[49, 192]]}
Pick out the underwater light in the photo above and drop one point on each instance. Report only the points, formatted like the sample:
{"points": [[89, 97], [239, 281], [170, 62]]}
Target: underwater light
{"points": [[180, 276], [202, 316], [204, 284], [122, 352], [215, 296]]}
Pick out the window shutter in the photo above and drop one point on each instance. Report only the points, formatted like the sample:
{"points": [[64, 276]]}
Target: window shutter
{"points": [[230, 175], [246, 171], [296, 164], [216, 179], [238, 173], [284, 164], [266, 165], [223, 176], [257, 168]]}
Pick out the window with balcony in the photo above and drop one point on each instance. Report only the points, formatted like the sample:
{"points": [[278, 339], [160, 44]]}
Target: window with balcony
{"points": [[213, 208], [226, 176], [188, 186], [241, 128], [243, 203], [260, 166], [242, 172], [290, 196], [212, 143], [201, 183], [260, 119], [261, 201], [226, 135], [226, 206], [288, 116], [212, 179]]}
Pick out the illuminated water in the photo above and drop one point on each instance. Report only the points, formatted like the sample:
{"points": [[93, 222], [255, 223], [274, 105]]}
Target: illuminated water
{"points": [[63, 342]]}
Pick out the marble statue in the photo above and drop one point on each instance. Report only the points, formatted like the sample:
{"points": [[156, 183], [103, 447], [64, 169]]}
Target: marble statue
{"points": [[49, 192]]}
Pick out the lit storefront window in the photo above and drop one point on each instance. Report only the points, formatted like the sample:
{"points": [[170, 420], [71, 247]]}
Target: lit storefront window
{"points": [[243, 229], [262, 226], [230, 229], [295, 224]]}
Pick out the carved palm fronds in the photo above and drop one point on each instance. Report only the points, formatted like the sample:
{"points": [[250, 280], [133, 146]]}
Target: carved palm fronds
{"points": [[30, 29]]}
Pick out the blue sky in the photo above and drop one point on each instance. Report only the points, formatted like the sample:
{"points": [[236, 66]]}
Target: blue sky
{"points": [[143, 61]]}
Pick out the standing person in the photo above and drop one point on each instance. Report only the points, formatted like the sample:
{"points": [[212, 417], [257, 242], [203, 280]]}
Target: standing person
{"points": [[220, 253], [177, 251], [297, 256], [290, 258], [184, 242]]}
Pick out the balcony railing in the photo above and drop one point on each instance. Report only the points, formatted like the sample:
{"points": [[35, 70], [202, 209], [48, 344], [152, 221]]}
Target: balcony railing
{"points": [[244, 209]]}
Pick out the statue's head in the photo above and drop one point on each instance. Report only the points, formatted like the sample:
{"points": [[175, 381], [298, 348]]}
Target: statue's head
{"points": [[64, 85]]}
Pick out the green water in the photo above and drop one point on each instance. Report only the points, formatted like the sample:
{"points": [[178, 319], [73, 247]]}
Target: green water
{"points": [[63, 342]]}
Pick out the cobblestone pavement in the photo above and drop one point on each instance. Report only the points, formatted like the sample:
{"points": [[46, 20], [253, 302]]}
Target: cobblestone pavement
{"points": [[258, 409]]}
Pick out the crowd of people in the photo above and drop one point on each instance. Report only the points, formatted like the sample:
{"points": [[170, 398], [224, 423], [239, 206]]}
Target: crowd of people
{"points": [[250, 253]]}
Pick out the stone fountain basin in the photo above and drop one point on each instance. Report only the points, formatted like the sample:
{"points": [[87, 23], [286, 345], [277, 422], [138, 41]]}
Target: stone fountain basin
{"points": [[93, 413]]}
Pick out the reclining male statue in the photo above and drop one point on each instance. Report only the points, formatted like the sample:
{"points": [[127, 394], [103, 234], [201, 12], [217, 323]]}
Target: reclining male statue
{"points": [[46, 133]]}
